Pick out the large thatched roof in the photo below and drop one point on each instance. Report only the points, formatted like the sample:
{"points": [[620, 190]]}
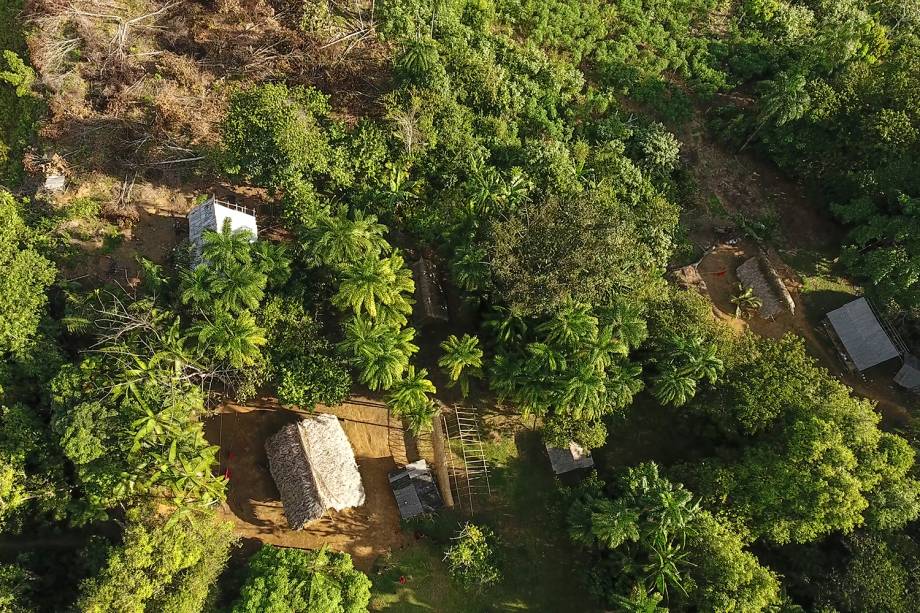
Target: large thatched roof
{"points": [[314, 467]]}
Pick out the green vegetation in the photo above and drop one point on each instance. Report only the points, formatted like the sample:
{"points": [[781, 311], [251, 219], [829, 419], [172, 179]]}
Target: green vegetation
{"points": [[470, 560], [529, 150], [320, 581]]}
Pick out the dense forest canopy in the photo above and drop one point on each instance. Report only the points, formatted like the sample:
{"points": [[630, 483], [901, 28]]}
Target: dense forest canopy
{"points": [[541, 154]]}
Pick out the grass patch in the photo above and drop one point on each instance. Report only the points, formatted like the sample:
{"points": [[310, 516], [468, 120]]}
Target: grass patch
{"points": [[824, 288], [541, 568]]}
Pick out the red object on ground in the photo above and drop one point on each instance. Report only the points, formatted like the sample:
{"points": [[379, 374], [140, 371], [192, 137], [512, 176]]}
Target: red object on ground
{"points": [[227, 473], [721, 273], [403, 580]]}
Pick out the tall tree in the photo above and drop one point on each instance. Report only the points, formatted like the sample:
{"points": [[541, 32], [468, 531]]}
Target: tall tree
{"points": [[377, 287], [27, 274]]}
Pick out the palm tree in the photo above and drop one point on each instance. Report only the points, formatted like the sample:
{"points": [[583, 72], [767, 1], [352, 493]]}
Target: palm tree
{"points": [[234, 338], [571, 326], [411, 392], [674, 386], [272, 260], [370, 283], [462, 358], [614, 523], [470, 268], [417, 58], [227, 247], [628, 321], [382, 369], [584, 395], [605, 347], [664, 566], [702, 361], [507, 327], [784, 99], [239, 287], [543, 359], [336, 240], [623, 382], [745, 301], [195, 286], [419, 419], [380, 351]]}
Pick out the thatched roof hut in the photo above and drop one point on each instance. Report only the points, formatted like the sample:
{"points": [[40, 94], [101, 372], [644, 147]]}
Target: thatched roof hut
{"points": [[758, 274], [314, 467]]}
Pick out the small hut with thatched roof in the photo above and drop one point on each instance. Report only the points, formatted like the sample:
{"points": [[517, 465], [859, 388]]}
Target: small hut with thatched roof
{"points": [[314, 467], [758, 274]]}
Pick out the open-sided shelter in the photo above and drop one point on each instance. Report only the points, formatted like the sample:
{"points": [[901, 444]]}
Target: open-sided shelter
{"points": [[430, 305], [415, 490], [862, 335], [211, 215], [314, 467], [571, 458]]}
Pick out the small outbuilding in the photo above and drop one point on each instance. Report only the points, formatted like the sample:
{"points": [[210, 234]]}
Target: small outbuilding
{"points": [[860, 331], [571, 458], [314, 467], [211, 215], [415, 490], [909, 375], [430, 305]]}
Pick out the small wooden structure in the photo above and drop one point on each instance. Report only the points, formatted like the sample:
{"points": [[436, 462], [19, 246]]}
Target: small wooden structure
{"points": [[573, 457], [909, 375], [469, 473], [430, 305], [415, 490]]}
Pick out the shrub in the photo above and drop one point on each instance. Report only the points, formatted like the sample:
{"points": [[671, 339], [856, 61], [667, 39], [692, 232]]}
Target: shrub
{"points": [[471, 559]]}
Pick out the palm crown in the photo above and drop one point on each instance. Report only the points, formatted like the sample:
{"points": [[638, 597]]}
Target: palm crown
{"points": [[462, 357]]}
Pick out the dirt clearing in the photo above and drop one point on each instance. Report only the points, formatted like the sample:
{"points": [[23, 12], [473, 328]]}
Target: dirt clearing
{"points": [[718, 270], [254, 505]]}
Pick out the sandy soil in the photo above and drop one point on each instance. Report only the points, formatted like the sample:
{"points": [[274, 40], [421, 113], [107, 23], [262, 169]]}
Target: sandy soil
{"points": [[253, 502]]}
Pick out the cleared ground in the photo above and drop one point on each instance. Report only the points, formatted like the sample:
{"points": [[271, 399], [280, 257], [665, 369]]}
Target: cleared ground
{"points": [[253, 502]]}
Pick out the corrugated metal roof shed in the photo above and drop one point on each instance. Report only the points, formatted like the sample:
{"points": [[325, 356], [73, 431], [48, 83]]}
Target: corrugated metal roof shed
{"points": [[415, 490], [569, 459], [863, 337]]}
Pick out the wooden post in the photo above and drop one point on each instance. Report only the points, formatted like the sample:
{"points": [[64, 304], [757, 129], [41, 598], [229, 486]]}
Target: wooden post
{"points": [[440, 460]]}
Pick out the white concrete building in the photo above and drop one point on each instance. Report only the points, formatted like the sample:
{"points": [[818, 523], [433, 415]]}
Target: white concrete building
{"points": [[211, 215]]}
